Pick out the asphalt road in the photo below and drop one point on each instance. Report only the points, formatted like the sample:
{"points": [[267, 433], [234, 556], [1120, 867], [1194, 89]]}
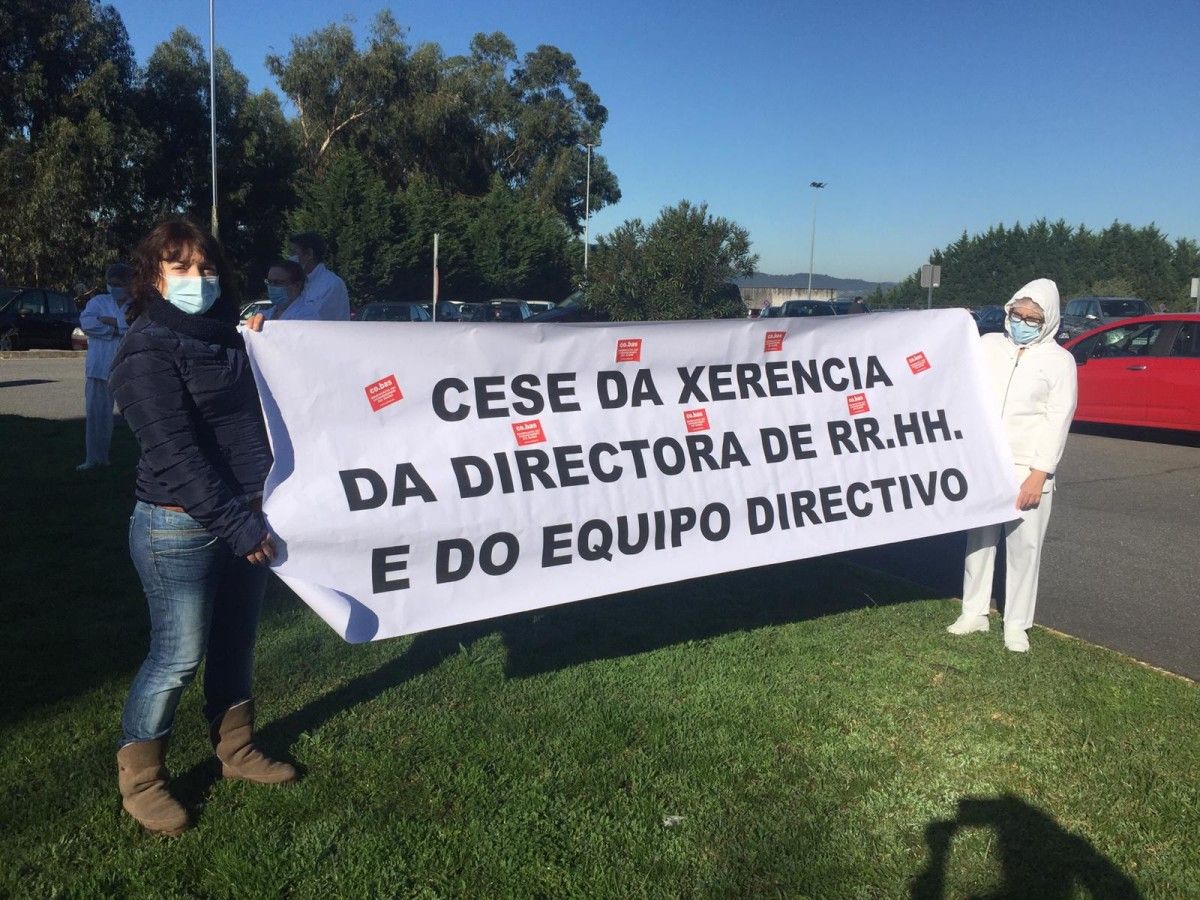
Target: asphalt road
{"points": [[41, 388], [1121, 567]]}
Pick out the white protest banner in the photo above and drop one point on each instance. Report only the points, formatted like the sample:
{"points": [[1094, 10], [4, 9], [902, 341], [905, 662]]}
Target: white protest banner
{"points": [[433, 474]]}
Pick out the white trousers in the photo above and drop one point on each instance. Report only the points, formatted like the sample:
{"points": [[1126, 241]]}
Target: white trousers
{"points": [[1023, 539], [98, 404]]}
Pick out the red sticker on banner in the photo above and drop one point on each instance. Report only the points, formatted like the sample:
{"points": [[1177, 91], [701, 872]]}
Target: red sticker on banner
{"points": [[918, 363], [383, 393], [858, 404], [773, 342], [695, 419], [529, 432], [629, 350]]}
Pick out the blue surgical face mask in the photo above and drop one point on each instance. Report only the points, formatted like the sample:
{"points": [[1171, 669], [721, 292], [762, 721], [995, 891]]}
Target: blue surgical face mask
{"points": [[277, 293], [193, 294], [1023, 332], [117, 292]]}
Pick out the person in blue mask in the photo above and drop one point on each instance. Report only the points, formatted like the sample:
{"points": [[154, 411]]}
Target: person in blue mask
{"points": [[324, 297], [1032, 384], [285, 280], [197, 536], [103, 321]]}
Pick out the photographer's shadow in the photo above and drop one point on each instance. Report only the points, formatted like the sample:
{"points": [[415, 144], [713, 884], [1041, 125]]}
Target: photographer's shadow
{"points": [[1038, 858]]}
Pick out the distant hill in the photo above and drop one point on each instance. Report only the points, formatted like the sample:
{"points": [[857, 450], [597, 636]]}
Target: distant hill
{"points": [[822, 282]]}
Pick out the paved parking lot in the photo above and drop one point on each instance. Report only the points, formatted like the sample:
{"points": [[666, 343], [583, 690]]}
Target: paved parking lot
{"points": [[1122, 558], [41, 388], [1121, 566]]}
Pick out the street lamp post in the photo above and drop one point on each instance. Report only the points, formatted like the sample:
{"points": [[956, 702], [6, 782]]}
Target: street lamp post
{"points": [[587, 210], [812, 246], [212, 107]]}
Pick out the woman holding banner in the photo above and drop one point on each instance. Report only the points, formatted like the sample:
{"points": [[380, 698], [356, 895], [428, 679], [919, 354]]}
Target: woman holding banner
{"points": [[197, 535], [1033, 381]]}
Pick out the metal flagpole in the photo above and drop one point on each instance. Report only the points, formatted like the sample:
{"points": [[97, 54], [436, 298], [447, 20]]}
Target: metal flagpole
{"points": [[812, 247], [435, 275], [587, 210], [212, 107]]}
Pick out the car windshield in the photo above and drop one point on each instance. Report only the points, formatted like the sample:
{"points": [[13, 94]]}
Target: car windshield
{"points": [[1119, 308]]}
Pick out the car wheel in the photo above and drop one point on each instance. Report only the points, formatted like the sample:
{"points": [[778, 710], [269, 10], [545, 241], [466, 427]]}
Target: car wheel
{"points": [[8, 340]]}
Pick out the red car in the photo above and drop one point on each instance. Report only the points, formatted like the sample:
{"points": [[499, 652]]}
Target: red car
{"points": [[1141, 371]]}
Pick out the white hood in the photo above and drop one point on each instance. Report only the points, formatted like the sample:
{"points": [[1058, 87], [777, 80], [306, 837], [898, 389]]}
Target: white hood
{"points": [[1044, 293]]}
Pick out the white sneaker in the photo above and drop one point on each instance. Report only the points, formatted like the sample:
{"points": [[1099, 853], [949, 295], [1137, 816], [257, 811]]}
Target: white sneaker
{"points": [[83, 467], [965, 624], [1016, 640]]}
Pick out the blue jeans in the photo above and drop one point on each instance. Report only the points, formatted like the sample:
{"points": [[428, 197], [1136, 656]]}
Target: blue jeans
{"points": [[204, 603]]}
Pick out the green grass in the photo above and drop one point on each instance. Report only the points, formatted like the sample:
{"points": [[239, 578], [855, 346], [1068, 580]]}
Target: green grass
{"points": [[812, 725]]}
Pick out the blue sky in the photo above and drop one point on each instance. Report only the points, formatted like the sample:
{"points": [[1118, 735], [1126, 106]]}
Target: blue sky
{"points": [[924, 118]]}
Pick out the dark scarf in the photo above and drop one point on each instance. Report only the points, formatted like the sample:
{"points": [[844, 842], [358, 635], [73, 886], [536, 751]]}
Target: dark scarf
{"points": [[205, 328]]}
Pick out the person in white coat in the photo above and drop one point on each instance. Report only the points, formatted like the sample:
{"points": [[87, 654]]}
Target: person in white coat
{"points": [[103, 321], [1033, 383], [324, 297]]}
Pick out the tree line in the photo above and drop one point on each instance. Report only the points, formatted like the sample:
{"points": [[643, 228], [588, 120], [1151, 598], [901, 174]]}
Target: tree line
{"points": [[1120, 260], [388, 143]]}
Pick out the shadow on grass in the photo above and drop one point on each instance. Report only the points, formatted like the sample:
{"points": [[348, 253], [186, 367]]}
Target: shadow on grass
{"points": [[604, 628], [1038, 857], [71, 602]]}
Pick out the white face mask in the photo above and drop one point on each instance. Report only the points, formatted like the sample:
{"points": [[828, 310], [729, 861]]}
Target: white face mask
{"points": [[193, 294]]}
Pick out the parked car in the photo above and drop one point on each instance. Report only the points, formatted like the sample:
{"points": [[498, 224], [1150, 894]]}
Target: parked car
{"points": [[507, 309], [33, 318], [573, 309], [989, 319], [255, 306], [842, 307], [1142, 371], [448, 311], [1085, 313], [804, 308], [394, 312]]}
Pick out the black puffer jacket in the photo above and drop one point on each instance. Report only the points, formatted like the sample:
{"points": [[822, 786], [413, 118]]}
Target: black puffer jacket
{"points": [[184, 385]]}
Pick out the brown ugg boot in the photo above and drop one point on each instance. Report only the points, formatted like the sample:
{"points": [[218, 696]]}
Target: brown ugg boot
{"points": [[142, 776], [232, 735]]}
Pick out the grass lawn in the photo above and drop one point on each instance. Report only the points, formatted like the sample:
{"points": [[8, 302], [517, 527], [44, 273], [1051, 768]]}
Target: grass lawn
{"points": [[802, 730]]}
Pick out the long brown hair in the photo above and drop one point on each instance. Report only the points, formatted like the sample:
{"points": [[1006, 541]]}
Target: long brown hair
{"points": [[171, 241]]}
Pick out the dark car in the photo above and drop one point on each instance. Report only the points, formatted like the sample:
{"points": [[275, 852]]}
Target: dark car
{"points": [[846, 307], [32, 318], [806, 308], [508, 309], [989, 319], [1085, 313], [394, 312], [448, 311], [573, 309]]}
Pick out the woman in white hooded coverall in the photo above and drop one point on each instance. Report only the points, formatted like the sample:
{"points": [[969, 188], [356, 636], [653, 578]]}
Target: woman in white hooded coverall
{"points": [[1033, 382], [103, 321]]}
